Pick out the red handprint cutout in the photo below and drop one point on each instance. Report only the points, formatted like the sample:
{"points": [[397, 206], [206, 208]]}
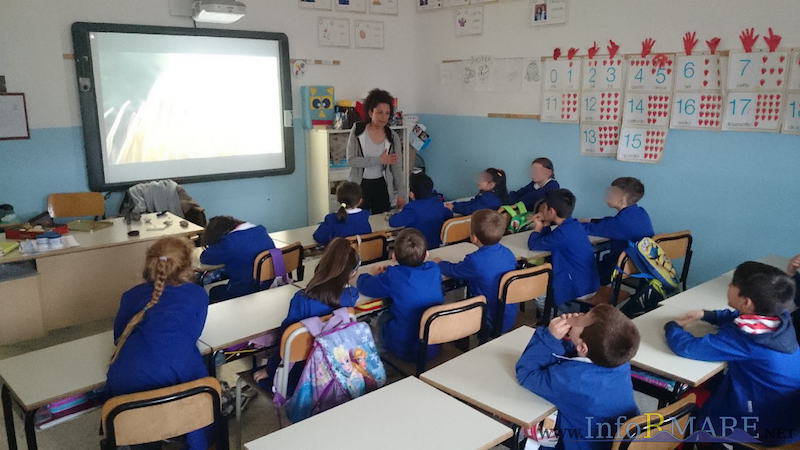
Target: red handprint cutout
{"points": [[748, 38], [647, 46], [572, 52], [773, 41], [713, 44], [612, 48], [689, 41], [556, 53], [660, 60], [591, 51]]}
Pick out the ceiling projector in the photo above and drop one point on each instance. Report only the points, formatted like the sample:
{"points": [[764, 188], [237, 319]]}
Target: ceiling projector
{"points": [[218, 11]]}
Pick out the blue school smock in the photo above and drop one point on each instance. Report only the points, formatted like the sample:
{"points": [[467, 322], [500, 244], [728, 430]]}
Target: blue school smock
{"points": [[484, 200], [427, 215], [631, 223], [762, 379], [574, 267], [355, 223], [302, 306], [412, 291], [587, 396], [482, 270], [530, 195], [162, 349], [237, 250]]}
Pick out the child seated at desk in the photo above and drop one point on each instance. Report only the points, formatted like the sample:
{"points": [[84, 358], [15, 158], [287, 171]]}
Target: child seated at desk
{"points": [[580, 363], [483, 269], [631, 223], [760, 391], [349, 220], [413, 285], [235, 244], [425, 212], [330, 288], [792, 271], [574, 269], [492, 193], [158, 325], [542, 181]]}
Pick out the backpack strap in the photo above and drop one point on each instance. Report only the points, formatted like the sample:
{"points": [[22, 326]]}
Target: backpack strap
{"points": [[521, 207], [278, 265], [316, 326], [510, 210]]}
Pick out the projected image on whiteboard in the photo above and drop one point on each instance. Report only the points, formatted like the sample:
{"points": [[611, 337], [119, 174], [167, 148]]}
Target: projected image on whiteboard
{"points": [[178, 106]]}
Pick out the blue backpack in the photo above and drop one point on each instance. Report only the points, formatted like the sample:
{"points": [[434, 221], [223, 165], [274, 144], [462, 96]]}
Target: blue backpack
{"points": [[654, 265]]}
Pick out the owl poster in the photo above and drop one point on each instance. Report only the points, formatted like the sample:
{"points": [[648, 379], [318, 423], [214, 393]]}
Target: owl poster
{"points": [[318, 105]]}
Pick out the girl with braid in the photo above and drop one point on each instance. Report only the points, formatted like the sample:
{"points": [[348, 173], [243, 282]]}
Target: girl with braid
{"points": [[157, 327]]}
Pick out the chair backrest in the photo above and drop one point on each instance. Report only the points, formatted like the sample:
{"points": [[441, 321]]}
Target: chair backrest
{"points": [[371, 247], [264, 270], [296, 341], [456, 230], [676, 245], [452, 321], [161, 414], [628, 267], [76, 204], [672, 419]]}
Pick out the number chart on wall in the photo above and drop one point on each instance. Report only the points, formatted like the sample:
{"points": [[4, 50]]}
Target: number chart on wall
{"points": [[698, 100], [602, 98], [791, 115], [561, 84], [646, 112]]}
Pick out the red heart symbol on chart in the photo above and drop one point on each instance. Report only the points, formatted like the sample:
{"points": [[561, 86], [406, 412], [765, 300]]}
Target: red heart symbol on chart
{"points": [[771, 70], [761, 82], [653, 70], [763, 70], [669, 71], [616, 94], [764, 58], [778, 82], [780, 70], [755, 124], [705, 72], [615, 118], [706, 61], [705, 83], [781, 58]]}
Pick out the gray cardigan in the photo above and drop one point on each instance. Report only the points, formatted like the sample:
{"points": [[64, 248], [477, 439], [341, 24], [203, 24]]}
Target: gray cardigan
{"points": [[395, 181]]}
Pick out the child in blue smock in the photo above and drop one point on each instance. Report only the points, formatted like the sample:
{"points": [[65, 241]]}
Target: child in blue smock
{"points": [[235, 244], [349, 220], [425, 212], [492, 193], [413, 286], [157, 327], [483, 269], [542, 181]]}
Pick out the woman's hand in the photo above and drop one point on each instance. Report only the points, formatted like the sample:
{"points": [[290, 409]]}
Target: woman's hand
{"points": [[387, 159]]}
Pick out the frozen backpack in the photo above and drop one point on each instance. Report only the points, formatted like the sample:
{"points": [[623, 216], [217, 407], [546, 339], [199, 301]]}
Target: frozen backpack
{"points": [[519, 217], [654, 266], [343, 364]]}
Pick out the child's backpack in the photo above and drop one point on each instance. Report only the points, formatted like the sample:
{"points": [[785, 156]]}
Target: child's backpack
{"points": [[519, 219], [343, 364], [654, 266], [282, 277]]}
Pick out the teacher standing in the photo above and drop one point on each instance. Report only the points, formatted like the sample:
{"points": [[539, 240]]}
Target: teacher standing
{"points": [[375, 156]]}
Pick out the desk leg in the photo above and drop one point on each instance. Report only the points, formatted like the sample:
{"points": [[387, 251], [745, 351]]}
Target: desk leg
{"points": [[513, 442], [30, 430], [8, 416]]}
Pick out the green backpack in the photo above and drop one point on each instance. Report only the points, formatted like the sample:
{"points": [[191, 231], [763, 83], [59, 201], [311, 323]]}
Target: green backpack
{"points": [[519, 217]]}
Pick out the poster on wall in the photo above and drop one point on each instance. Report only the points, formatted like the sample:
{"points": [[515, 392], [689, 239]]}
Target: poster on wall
{"points": [[477, 73], [426, 5], [548, 12], [791, 115], [358, 6], [389, 7], [333, 32], [469, 21], [506, 75], [756, 83], [368, 34], [315, 4], [602, 98], [561, 84]]}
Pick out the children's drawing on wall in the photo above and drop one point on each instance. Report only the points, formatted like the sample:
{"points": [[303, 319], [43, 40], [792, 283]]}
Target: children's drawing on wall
{"points": [[507, 75], [478, 73], [469, 21]]}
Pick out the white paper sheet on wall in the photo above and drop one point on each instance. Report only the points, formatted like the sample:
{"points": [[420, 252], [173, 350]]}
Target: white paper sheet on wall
{"points": [[469, 21], [359, 6], [756, 85], [450, 73], [477, 73], [506, 75], [315, 4], [791, 113], [384, 7], [531, 75], [13, 117], [333, 32], [368, 34]]}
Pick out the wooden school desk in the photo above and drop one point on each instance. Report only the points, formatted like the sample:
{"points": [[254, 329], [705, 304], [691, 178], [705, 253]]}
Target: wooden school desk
{"points": [[305, 235], [407, 414], [518, 244], [43, 376], [485, 377], [80, 284]]}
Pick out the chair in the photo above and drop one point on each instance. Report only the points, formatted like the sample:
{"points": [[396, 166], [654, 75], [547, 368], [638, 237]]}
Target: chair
{"points": [[456, 230], [672, 419], [165, 413], [519, 286], [677, 245], [76, 204], [263, 270], [295, 346], [371, 247], [614, 295], [450, 322]]}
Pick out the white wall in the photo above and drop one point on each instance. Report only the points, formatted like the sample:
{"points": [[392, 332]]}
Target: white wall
{"points": [[35, 33], [508, 34]]}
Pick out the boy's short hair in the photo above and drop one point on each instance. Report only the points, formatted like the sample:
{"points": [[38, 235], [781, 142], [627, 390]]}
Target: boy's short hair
{"points": [[612, 338], [410, 248], [421, 186], [631, 187], [768, 287], [488, 226], [562, 200]]}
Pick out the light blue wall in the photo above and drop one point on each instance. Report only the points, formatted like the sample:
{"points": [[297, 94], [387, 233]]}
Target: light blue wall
{"points": [[53, 160], [739, 193]]}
